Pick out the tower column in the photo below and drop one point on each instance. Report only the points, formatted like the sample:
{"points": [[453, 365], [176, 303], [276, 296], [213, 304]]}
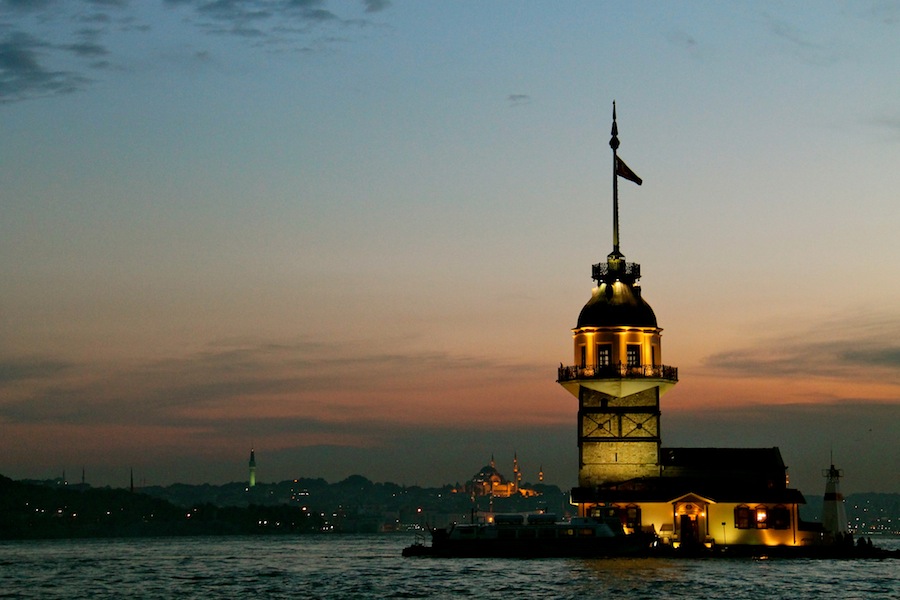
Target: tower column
{"points": [[618, 375]]}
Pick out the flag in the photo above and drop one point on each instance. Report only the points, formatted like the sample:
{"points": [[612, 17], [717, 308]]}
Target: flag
{"points": [[622, 170]]}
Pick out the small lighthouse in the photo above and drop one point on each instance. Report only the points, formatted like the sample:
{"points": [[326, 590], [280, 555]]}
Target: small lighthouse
{"points": [[834, 514], [252, 466]]}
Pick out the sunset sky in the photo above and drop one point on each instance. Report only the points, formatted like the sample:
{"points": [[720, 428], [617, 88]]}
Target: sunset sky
{"points": [[356, 235]]}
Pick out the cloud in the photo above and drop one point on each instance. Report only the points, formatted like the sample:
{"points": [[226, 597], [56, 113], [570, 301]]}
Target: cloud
{"points": [[888, 123], [24, 369], [836, 348], [109, 3], [801, 46], [151, 393], [23, 75], [886, 12], [302, 382], [32, 48], [376, 5], [39, 37], [682, 40], [87, 49], [884, 356], [304, 401], [274, 23], [518, 99], [25, 5], [861, 435]]}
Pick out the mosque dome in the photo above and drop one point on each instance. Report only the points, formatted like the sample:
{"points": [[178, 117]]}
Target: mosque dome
{"points": [[616, 304], [488, 474]]}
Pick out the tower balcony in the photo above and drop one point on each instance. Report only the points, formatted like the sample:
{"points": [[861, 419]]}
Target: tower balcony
{"points": [[618, 380], [619, 371], [615, 269]]}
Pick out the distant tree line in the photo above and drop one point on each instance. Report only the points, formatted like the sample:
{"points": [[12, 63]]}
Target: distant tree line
{"points": [[57, 509], [33, 511]]}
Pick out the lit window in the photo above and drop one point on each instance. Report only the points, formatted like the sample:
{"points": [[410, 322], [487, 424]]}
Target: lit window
{"points": [[761, 517], [633, 516], [604, 355], [634, 355]]}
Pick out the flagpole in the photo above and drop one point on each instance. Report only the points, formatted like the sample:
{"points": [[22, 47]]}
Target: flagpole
{"points": [[614, 144]]}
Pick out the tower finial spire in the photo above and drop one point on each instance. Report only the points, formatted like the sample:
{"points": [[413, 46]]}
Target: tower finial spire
{"points": [[614, 144], [620, 169], [614, 140]]}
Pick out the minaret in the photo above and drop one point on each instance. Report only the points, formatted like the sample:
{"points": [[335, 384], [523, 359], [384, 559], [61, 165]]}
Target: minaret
{"points": [[618, 375], [252, 466], [517, 476], [834, 514]]}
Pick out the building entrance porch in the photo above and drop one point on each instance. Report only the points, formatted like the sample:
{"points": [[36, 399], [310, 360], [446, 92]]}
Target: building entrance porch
{"points": [[691, 525]]}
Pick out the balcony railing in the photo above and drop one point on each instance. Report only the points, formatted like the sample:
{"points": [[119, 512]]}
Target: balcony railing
{"points": [[619, 371], [603, 269]]}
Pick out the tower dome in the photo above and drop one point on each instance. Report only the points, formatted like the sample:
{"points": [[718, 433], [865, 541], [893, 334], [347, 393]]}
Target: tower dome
{"points": [[616, 301], [616, 304]]}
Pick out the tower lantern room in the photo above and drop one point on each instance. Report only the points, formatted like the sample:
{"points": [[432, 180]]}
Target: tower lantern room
{"points": [[617, 372]]}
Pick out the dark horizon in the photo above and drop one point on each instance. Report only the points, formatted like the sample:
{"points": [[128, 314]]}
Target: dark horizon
{"points": [[859, 446]]}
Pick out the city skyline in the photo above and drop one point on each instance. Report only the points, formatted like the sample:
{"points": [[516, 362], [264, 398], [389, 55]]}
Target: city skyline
{"points": [[356, 236]]}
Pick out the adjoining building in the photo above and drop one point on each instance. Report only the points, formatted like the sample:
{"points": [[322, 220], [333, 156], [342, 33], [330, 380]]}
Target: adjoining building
{"points": [[687, 496]]}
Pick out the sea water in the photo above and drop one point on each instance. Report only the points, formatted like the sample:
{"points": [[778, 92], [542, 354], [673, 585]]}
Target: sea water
{"points": [[359, 566]]}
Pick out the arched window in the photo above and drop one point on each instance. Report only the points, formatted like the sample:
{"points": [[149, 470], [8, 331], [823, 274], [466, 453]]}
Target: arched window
{"points": [[742, 517], [762, 517], [633, 516], [633, 355], [780, 518], [604, 356]]}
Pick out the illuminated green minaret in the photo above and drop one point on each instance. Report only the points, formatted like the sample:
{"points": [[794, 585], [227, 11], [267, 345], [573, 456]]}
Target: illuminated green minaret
{"points": [[252, 466]]}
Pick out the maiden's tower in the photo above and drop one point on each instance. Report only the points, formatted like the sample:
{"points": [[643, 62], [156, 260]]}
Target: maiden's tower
{"points": [[687, 496]]}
